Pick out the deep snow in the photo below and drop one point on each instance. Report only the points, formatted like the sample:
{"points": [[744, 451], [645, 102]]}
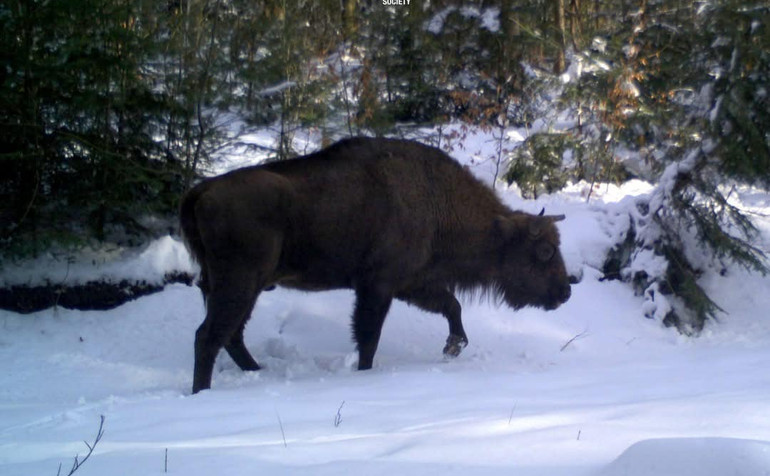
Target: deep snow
{"points": [[592, 388]]}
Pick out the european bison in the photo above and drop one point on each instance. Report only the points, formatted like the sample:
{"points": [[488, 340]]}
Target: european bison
{"points": [[386, 218]]}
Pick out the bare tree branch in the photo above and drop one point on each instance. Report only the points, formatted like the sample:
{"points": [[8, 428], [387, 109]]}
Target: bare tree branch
{"points": [[79, 462]]}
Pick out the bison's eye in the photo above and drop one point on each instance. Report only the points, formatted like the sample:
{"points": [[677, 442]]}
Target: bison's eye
{"points": [[545, 251]]}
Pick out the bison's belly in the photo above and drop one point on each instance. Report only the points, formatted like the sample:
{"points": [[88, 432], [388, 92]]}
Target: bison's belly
{"points": [[309, 285], [316, 280]]}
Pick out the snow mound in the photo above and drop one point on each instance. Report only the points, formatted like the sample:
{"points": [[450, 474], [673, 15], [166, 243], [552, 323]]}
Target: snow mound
{"points": [[149, 264], [160, 257], [696, 456]]}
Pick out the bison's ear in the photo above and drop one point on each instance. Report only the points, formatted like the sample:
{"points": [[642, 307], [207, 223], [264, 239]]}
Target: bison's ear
{"points": [[536, 226], [508, 228]]}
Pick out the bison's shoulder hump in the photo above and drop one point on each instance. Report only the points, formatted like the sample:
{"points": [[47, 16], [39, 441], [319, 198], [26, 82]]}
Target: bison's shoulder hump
{"points": [[366, 148], [392, 157]]}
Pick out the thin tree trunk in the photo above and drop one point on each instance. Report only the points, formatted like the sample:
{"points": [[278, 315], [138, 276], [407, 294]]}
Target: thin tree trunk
{"points": [[561, 25]]}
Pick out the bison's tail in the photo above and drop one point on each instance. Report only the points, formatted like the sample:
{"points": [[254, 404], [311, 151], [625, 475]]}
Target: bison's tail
{"points": [[189, 225]]}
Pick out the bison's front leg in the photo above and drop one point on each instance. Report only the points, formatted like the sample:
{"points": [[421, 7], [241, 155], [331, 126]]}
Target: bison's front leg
{"points": [[372, 304], [441, 301], [454, 345]]}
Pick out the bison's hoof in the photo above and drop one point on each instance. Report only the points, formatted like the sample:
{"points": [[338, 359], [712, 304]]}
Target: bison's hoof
{"points": [[454, 346]]}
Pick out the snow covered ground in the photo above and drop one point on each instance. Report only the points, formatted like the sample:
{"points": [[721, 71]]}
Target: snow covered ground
{"points": [[592, 388]]}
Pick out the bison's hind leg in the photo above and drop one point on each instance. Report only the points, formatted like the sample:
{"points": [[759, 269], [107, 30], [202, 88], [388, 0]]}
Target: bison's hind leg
{"points": [[230, 299], [441, 301], [237, 349]]}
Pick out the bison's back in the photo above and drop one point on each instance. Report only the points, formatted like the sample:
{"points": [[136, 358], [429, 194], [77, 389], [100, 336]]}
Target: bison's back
{"points": [[381, 208], [388, 176]]}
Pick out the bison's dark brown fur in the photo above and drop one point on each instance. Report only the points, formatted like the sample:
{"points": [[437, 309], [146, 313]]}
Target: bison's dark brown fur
{"points": [[386, 218]]}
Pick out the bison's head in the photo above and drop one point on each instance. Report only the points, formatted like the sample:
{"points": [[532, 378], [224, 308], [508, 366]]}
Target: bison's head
{"points": [[531, 271]]}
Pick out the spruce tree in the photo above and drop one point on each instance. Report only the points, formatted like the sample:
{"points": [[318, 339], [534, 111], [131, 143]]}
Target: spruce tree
{"points": [[674, 93]]}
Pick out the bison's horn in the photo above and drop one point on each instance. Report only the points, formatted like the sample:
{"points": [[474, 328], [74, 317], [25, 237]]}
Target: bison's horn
{"points": [[537, 224], [553, 218]]}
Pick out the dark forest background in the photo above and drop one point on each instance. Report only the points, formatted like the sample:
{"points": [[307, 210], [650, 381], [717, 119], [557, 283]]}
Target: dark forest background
{"points": [[110, 109]]}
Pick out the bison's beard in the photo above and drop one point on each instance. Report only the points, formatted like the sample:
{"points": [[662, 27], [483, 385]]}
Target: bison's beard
{"points": [[519, 297], [515, 295]]}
